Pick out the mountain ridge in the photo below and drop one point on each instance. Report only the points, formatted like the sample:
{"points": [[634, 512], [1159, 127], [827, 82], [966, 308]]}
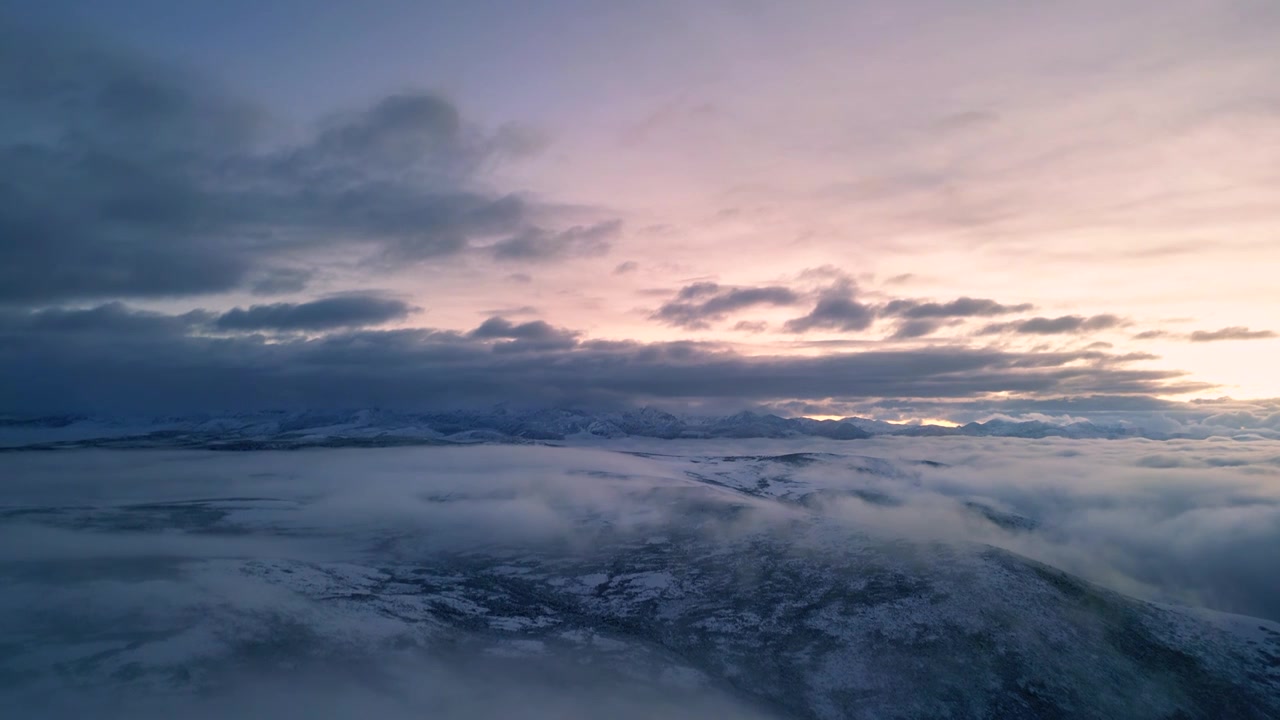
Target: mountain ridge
{"points": [[375, 427]]}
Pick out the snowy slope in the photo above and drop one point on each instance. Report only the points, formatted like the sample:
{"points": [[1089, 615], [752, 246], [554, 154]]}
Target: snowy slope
{"points": [[718, 583]]}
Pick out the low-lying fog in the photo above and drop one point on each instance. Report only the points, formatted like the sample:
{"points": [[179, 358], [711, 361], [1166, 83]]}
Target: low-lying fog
{"points": [[1195, 522], [133, 540]]}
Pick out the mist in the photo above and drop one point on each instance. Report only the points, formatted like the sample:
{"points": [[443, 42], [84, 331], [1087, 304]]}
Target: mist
{"points": [[342, 582]]}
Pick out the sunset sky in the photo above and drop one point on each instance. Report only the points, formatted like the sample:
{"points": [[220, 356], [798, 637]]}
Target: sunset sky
{"points": [[913, 209]]}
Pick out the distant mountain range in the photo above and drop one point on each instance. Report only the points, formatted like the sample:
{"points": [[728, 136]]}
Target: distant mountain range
{"points": [[283, 429]]}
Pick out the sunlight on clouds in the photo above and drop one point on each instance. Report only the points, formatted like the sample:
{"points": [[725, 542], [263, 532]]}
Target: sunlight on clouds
{"points": [[1245, 368]]}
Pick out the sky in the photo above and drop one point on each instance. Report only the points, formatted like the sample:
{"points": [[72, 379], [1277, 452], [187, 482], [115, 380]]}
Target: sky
{"points": [[913, 209]]}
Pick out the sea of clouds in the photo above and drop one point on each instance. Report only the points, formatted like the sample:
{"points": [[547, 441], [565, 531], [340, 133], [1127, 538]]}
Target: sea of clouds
{"points": [[86, 541]]}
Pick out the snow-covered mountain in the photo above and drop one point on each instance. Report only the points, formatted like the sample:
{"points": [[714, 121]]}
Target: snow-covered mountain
{"points": [[368, 428]]}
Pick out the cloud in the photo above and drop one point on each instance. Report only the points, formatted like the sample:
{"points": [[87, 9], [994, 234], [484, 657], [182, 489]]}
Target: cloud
{"points": [[1144, 521], [326, 314], [696, 306], [519, 310], [121, 177], [1063, 325], [623, 268], [498, 327], [208, 599], [1202, 336], [915, 328], [1138, 516], [505, 548], [1231, 333], [167, 364], [836, 310], [396, 132], [281, 281], [960, 307], [110, 319], [532, 335], [920, 318], [537, 244]]}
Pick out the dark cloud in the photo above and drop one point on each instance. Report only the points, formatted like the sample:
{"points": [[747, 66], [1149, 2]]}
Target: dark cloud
{"points": [[1150, 335], [920, 318], [1063, 325], [397, 132], [836, 310], [166, 365], [499, 327], [629, 266], [698, 305], [908, 329], [325, 314], [123, 177], [533, 335], [538, 244], [960, 307], [1230, 333], [281, 281], [106, 320]]}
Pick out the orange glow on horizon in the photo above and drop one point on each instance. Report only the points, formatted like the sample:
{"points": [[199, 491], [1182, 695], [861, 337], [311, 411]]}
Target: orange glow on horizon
{"points": [[925, 421], [920, 421]]}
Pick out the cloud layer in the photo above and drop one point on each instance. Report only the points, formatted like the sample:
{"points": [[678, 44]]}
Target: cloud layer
{"points": [[158, 362], [126, 178], [152, 212], [696, 306], [327, 314]]}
